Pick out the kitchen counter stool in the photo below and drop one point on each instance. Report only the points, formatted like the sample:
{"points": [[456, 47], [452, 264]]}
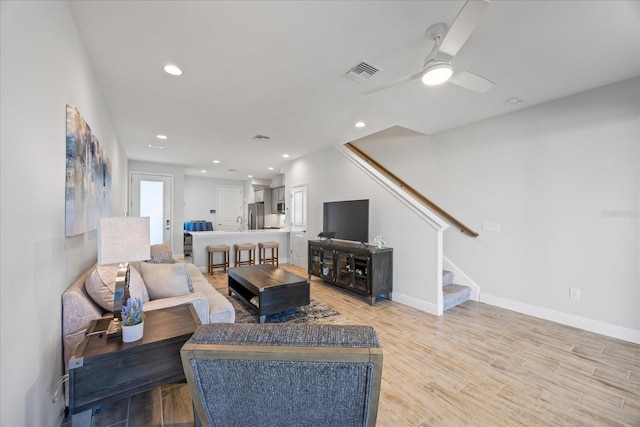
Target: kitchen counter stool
{"points": [[262, 253], [241, 247], [212, 249]]}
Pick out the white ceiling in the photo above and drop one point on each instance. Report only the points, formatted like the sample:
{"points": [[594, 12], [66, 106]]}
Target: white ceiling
{"points": [[278, 69]]}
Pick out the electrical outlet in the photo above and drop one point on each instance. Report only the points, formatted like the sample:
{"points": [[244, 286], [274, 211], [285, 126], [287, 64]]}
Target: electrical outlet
{"points": [[491, 227], [574, 293]]}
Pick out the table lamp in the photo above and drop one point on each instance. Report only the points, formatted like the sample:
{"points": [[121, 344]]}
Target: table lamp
{"points": [[120, 240]]}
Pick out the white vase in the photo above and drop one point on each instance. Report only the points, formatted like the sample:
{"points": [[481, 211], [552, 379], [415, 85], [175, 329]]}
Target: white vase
{"points": [[132, 333]]}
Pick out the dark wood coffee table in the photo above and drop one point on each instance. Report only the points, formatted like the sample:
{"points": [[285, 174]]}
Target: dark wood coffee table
{"points": [[276, 289], [104, 370]]}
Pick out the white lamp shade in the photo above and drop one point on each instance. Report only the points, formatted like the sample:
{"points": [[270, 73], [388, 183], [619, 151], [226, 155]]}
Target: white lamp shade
{"points": [[122, 239]]}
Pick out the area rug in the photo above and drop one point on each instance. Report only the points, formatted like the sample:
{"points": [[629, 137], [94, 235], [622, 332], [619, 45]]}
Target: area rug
{"points": [[318, 313]]}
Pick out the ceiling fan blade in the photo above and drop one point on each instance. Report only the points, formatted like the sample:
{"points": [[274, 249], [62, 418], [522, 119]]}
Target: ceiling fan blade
{"points": [[471, 81], [463, 26], [393, 83]]}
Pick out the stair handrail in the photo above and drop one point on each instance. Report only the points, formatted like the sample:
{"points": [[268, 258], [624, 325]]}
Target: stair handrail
{"points": [[409, 189]]}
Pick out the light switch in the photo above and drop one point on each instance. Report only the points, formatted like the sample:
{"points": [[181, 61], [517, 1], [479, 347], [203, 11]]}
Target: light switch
{"points": [[574, 293], [491, 227]]}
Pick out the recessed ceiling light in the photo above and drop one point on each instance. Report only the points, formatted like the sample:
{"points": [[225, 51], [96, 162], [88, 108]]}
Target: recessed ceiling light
{"points": [[249, 176], [203, 171], [159, 147], [161, 136], [285, 156], [173, 70], [360, 124], [270, 168], [514, 101], [216, 161]]}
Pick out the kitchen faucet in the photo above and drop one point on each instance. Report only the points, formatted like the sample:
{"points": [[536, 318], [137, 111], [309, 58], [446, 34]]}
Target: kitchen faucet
{"points": [[241, 221]]}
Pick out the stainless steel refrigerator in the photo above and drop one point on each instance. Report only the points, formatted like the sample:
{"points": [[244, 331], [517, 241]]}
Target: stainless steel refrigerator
{"points": [[255, 221]]}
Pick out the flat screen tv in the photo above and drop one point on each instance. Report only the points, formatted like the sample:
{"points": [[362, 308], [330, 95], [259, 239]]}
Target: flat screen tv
{"points": [[349, 220]]}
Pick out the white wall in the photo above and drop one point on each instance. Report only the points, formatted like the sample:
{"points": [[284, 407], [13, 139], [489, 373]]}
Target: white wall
{"points": [[177, 210], [43, 67], [200, 196], [548, 174], [412, 240]]}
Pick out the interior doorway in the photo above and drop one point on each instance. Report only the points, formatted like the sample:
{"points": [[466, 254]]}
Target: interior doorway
{"points": [[150, 195], [298, 212], [229, 207]]}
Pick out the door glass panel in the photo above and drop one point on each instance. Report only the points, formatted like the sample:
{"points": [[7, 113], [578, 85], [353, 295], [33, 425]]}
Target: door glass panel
{"points": [[344, 270], [151, 205], [361, 272], [297, 209], [327, 264]]}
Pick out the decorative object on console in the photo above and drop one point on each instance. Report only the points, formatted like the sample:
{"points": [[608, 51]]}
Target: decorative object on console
{"points": [[132, 320], [378, 241], [120, 240]]}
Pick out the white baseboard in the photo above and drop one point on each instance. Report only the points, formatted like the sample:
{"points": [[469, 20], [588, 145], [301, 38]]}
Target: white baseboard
{"points": [[596, 326], [416, 303]]}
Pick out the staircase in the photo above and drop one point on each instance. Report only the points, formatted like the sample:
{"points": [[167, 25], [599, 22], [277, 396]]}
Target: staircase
{"points": [[438, 220], [453, 294]]}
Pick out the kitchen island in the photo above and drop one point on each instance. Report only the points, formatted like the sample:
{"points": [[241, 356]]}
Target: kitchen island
{"points": [[202, 239]]}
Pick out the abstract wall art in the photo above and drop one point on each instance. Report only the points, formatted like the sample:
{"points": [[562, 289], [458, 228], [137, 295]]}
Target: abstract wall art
{"points": [[88, 182]]}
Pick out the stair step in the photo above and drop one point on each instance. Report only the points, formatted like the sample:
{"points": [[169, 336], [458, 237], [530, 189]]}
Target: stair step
{"points": [[447, 278], [454, 295]]}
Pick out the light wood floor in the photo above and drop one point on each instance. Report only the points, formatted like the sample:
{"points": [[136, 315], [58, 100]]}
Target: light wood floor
{"points": [[476, 365]]}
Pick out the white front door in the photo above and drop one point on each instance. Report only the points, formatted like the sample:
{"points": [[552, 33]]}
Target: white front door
{"points": [[150, 195], [229, 207], [298, 212]]}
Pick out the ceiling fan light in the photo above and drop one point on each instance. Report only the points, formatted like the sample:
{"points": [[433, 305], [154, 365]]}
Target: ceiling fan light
{"points": [[437, 74]]}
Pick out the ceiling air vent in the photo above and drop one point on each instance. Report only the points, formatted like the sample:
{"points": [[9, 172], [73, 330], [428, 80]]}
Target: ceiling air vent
{"points": [[362, 72], [261, 137]]}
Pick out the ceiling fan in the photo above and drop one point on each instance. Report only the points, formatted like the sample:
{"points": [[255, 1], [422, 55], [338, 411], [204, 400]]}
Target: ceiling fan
{"points": [[437, 67]]}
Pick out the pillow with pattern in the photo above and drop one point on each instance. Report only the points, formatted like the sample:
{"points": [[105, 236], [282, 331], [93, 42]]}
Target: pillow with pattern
{"points": [[161, 254]]}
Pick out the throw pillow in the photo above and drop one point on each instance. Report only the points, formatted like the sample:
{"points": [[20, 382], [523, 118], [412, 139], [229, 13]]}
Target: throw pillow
{"points": [[165, 280], [161, 254], [101, 285], [137, 288]]}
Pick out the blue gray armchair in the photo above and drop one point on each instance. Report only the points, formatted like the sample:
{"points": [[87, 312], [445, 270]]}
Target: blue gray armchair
{"points": [[284, 375]]}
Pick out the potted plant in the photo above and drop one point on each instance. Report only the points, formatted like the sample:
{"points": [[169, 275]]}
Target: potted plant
{"points": [[132, 320]]}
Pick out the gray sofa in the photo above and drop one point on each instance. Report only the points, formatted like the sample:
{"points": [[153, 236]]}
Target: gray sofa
{"points": [[78, 308]]}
